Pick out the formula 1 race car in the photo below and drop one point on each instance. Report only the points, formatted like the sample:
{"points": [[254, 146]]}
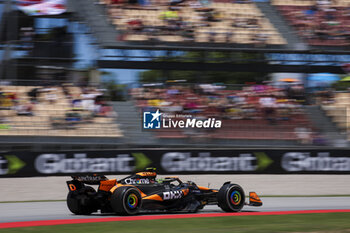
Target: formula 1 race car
{"points": [[142, 192]]}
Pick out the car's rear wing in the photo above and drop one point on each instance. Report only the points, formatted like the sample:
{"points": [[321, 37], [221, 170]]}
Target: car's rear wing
{"points": [[94, 179]]}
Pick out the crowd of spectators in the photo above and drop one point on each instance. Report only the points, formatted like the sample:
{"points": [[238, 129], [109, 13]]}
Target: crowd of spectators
{"points": [[84, 106], [252, 101], [264, 107], [323, 23], [64, 106], [10, 101], [192, 20]]}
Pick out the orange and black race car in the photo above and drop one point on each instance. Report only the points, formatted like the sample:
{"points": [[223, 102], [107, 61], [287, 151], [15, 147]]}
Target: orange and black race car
{"points": [[142, 192]]}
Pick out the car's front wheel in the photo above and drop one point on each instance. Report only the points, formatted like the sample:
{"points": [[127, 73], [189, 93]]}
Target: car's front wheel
{"points": [[231, 198]]}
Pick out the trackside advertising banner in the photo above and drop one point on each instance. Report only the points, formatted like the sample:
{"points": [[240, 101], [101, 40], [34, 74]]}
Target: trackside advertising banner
{"points": [[175, 161]]}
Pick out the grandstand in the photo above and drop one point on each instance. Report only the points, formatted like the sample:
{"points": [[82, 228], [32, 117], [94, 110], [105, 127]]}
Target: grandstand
{"points": [[221, 22], [263, 36], [319, 23], [244, 113], [50, 112]]}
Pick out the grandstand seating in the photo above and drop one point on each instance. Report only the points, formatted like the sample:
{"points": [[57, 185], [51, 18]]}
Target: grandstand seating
{"points": [[40, 123], [240, 129], [318, 24], [339, 110], [229, 23], [337, 3], [242, 126]]}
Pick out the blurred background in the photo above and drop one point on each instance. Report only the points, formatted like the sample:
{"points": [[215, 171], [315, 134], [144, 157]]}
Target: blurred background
{"points": [[77, 74]]}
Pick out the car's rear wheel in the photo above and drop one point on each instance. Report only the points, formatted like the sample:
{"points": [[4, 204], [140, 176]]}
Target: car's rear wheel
{"points": [[81, 201], [231, 198], [126, 200]]}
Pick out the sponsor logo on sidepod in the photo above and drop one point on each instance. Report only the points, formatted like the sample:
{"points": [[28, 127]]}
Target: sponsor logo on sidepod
{"points": [[172, 195]]}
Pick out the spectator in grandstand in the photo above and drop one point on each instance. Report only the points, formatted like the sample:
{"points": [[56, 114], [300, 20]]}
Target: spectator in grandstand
{"points": [[297, 92], [88, 99], [171, 106], [195, 4], [116, 12], [212, 16], [132, 2], [102, 109], [2, 99], [234, 113], [212, 35], [34, 95], [311, 12], [322, 31], [229, 36], [239, 22], [189, 34], [268, 105], [346, 11], [51, 95], [172, 91], [323, 2], [66, 92], [77, 105], [249, 111], [115, 2], [135, 25], [7, 100], [283, 109], [154, 102], [191, 105], [309, 31], [304, 134], [318, 139], [253, 23], [330, 16], [72, 119], [324, 97], [176, 2], [259, 39], [170, 15], [209, 88], [4, 122], [24, 109]]}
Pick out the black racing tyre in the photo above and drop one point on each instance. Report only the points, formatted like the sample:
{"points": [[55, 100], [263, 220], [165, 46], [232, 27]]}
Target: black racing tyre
{"points": [[231, 198], [126, 200], [80, 202]]}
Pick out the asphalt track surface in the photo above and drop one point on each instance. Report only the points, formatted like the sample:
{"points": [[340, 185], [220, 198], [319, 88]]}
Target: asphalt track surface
{"points": [[35, 211]]}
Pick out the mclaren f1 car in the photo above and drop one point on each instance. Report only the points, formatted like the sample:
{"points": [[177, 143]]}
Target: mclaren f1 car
{"points": [[142, 192]]}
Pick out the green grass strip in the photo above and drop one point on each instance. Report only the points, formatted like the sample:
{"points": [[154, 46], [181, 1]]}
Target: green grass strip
{"points": [[320, 223]]}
